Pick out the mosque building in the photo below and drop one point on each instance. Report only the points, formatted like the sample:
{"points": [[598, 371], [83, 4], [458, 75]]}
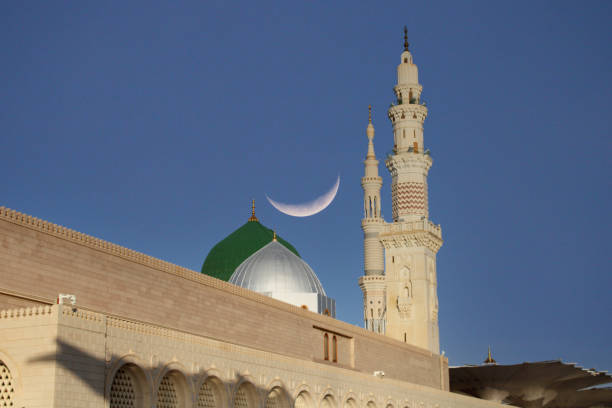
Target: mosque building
{"points": [[88, 323]]}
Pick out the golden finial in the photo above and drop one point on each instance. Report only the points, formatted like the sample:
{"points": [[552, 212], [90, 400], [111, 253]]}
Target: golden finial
{"points": [[370, 113], [406, 44], [489, 359], [274, 237], [253, 217]]}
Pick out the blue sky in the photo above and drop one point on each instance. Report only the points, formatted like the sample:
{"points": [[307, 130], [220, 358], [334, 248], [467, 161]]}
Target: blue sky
{"points": [[153, 125]]}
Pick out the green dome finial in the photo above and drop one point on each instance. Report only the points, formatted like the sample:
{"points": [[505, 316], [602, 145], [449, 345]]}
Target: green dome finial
{"points": [[253, 217]]}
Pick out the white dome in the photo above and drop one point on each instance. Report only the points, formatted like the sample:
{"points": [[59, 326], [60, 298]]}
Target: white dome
{"points": [[275, 269]]}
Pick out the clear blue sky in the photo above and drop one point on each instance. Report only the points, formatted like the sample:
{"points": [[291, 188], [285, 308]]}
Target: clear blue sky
{"points": [[153, 124]]}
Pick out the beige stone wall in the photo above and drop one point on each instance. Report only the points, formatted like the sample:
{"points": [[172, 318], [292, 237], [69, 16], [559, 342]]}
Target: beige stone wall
{"points": [[27, 348], [40, 260], [66, 357], [9, 300]]}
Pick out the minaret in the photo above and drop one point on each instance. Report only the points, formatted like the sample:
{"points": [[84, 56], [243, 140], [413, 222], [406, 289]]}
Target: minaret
{"points": [[411, 241], [373, 283]]}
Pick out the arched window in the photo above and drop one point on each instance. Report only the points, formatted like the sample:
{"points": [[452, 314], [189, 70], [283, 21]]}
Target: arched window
{"points": [[277, 398], [335, 349], [7, 389], [326, 346], [416, 147], [328, 402], [350, 403], [303, 400], [128, 388], [246, 396], [210, 394], [172, 391]]}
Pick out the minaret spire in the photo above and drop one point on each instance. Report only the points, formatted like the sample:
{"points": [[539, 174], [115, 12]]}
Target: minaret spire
{"points": [[372, 283], [406, 43], [370, 133]]}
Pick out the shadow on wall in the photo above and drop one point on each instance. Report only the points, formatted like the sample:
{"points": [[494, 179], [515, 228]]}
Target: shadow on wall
{"points": [[130, 382]]}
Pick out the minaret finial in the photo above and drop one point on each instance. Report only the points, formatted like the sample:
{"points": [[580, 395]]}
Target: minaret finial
{"points": [[253, 217], [274, 237], [406, 44], [489, 359], [370, 113]]}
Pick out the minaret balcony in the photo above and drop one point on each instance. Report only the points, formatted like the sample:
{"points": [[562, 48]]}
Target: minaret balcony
{"points": [[410, 226], [376, 181], [408, 162], [370, 222], [407, 111], [410, 149], [422, 233]]}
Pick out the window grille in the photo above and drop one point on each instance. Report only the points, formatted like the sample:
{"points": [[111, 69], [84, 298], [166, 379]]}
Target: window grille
{"points": [[122, 393]]}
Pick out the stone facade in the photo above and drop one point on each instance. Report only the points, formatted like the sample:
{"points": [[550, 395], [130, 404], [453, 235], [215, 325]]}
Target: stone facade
{"points": [[155, 316], [65, 356]]}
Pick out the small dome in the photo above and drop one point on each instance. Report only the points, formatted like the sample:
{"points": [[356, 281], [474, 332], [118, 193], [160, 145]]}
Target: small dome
{"points": [[224, 257], [275, 269]]}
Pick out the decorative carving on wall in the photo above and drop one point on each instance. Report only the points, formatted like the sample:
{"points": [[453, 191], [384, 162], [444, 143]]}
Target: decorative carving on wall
{"points": [[404, 306]]}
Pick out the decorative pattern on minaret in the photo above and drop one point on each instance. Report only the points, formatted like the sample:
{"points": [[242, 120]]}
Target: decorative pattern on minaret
{"points": [[409, 198]]}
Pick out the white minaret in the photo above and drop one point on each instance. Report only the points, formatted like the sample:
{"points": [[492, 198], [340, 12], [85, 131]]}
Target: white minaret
{"points": [[373, 283], [411, 241]]}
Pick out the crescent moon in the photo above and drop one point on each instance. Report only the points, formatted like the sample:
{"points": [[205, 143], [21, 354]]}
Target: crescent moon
{"points": [[310, 208]]}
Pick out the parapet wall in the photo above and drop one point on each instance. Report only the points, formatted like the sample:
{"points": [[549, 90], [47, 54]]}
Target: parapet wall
{"points": [[39, 259]]}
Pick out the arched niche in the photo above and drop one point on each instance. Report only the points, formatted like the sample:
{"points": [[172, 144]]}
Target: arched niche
{"points": [[303, 398], [277, 398], [173, 390], [211, 393], [350, 403], [371, 404], [328, 401], [245, 396]]}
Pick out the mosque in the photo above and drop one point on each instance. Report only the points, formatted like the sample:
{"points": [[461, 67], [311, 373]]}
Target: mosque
{"points": [[88, 323]]}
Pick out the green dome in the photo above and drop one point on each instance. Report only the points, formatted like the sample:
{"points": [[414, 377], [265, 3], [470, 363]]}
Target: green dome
{"points": [[224, 258]]}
